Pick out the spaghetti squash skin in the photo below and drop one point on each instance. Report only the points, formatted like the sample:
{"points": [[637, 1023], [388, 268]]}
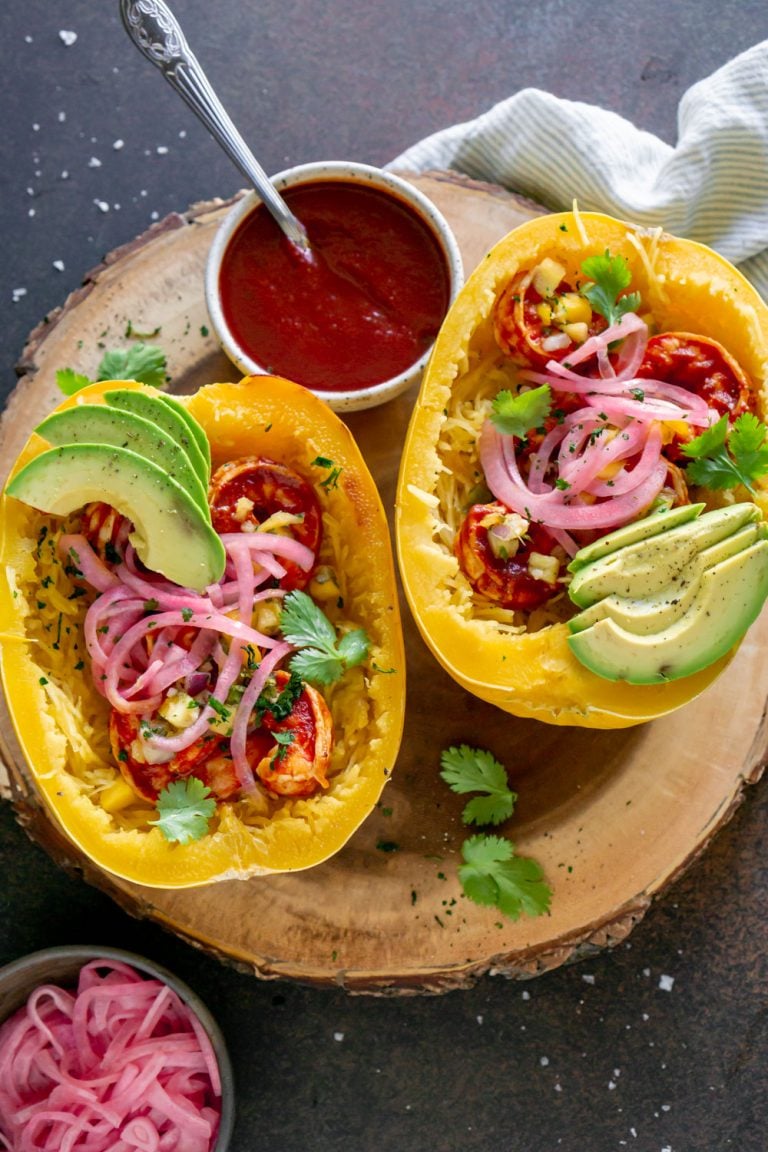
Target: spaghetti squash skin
{"points": [[61, 721], [684, 286]]}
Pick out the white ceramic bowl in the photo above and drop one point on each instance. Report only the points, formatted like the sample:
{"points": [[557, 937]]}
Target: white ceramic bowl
{"points": [[343, 171], [62, 965]]}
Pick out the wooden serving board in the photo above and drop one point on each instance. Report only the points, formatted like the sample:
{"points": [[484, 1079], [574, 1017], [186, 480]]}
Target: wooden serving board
{"points": [[613, 817]]}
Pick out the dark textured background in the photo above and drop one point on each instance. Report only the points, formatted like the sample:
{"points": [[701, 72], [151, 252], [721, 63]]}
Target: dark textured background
{"points": [[593, 1058]]}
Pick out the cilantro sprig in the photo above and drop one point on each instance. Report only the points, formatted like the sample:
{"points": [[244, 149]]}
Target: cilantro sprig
{"points": [[143, 362], [185, 808], [723, 458], [515, 414], [609, 277], [323, 656], [466, 769], [493, 875]]}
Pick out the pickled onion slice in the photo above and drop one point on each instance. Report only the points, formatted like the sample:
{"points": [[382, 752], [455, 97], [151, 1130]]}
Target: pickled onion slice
{"points": [[119, 1065]]}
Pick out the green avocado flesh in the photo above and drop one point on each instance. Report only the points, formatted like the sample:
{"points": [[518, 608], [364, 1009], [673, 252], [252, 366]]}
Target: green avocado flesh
{"points": [[634, 533], [668, 604], [197, 433], [99, 424], [171, 534], [167, 417]]}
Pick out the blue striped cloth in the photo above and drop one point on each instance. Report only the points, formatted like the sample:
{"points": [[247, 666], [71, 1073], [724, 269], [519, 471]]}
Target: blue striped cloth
{"points": [[712, 186]]}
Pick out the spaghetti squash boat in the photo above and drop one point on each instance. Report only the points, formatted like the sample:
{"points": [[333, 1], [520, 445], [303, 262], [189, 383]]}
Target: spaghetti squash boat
{"points": [[590, 434], [201, 650]]}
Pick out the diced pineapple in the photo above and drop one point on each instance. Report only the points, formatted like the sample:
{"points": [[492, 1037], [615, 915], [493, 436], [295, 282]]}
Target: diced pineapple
{"points": [[324, 585], [544, 312], [179, 709], [279, 521], [571, 308], [547, 276], [577, 332], [266, 617], [117, 796], [541, 567]]}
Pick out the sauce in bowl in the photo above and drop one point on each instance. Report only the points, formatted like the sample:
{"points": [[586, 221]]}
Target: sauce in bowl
{"points": [[360, 309]]}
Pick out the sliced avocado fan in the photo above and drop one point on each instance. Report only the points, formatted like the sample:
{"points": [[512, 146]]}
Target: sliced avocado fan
{"points": [[663, 599], [171, 533]]}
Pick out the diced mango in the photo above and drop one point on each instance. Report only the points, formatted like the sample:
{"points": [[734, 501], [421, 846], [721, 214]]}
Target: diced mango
{"points": [[547, 276]]}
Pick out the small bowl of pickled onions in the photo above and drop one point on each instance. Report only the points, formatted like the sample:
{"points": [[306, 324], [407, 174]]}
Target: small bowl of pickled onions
{"points": [[103, 1050]]}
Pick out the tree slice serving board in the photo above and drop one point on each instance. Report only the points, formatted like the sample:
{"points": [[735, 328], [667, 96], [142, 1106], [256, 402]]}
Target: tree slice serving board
{"points": [[613, 817]]}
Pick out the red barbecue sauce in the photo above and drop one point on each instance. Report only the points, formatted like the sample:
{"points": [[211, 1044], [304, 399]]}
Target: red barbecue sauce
{"points": [[362, 309]]}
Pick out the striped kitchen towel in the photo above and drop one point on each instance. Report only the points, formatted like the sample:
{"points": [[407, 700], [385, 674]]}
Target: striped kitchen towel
{"points": [[712, 186]]}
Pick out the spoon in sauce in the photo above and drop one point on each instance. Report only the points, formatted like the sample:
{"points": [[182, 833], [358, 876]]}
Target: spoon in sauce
{"points": [[157, 34]]}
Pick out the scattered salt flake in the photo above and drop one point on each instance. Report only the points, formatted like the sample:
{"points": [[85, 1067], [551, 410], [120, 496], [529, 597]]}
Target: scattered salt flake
{"points": [[30, 191], [118, 144], [666, 983], [525, 995], [18, 293], [588, 978], [667, 1148], [31, 212], [143, 192], [161, 150], [479, 1019], [58, 265], [61, 117], [65, 175], [633, 1133], [646, 1016], [183, 134], [666, 1107], [154, 215], [617, 1072], [544, 1061], [646, 971], [338, 1036], [35, 127], [102, 205], [28, 40], [94, 162], [558, 1087], [68, 38], [611, 1085]]}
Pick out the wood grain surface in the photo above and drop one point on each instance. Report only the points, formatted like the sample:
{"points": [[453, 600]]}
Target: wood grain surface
{"points": [[613, 817]]}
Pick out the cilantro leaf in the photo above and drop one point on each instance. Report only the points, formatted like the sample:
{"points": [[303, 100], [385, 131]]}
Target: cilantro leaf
{"points": [[467, 769], [185, 808], [610, 275], [323, 657], [70, 381], [515, 415], [724, 459], [492, 875], [143, 362]]}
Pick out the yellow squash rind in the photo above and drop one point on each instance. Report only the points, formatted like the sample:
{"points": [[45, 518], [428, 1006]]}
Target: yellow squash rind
{"points": [[535, 674], [258, 416]]}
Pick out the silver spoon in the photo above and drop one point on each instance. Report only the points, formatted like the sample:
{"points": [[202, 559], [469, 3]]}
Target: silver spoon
{"points": [[157, 34]]}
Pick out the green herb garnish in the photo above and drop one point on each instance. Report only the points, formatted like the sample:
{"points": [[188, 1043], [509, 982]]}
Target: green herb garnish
{"points": [[185, 809], [324, 656], [494, 876], [610, 276], [143, 362], [515, 415], [70, 381], [467, 769], [724, 459]]}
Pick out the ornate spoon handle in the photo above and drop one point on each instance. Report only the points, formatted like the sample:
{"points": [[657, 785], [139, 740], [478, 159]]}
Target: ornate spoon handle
{"points": [[157, 34]]}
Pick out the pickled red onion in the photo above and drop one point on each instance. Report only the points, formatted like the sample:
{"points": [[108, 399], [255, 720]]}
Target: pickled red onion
{"points": [[121, 1064]]}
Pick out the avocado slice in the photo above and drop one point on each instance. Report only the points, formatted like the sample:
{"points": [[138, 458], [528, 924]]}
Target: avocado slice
{"points": [[731, 595], [656, 612], [152, 408], [642, 569], [171, 534], [195, 430], [99, 424], [634, 533]]}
